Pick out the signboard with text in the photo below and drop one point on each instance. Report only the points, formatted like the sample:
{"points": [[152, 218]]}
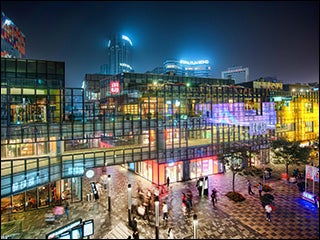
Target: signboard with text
{"points": [[114, 87]]}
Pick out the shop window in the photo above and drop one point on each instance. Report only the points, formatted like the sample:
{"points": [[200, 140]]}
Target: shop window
{"points": [[31, 199], [5, 205], [18, 202]]}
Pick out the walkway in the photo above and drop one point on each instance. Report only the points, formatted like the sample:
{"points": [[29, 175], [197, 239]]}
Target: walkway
{"points": [[294, 218]]}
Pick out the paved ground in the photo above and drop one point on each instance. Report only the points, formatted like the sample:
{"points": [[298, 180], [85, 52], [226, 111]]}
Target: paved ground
{"points": [[294, 218]]}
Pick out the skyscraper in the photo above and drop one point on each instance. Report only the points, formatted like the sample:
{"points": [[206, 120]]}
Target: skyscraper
{"points": [[238, 74], [13, 41], [119, 55]]}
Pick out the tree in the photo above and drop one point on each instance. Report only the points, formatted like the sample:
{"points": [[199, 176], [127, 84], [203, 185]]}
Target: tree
{"points": [[235, 162], [289, 153]]}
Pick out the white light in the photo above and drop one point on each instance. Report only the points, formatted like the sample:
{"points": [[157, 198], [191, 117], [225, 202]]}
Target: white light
{"points": [[7, 22], [125, 65], [109, 43], [89, 173], [127, 39], [194, 62]]}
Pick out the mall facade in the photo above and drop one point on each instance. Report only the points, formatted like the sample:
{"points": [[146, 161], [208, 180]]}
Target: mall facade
{"points": [[155, 125]]}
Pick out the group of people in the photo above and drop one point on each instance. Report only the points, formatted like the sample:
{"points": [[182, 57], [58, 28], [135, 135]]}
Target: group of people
{"points": [[203, 186]]}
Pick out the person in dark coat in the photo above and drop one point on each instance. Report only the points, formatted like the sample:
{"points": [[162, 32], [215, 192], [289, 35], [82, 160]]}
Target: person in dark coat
{"points": [[134, 224], [206, 186], [135, 234]]}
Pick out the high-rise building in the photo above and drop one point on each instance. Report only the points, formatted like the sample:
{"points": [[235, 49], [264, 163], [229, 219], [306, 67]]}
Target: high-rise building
{"points": [[238, 74], [119, 55], [13, 41]]}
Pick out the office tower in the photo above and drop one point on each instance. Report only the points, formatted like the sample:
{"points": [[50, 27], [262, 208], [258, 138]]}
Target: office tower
{"points": [[13, 41], [238, 74], [119, 55]]}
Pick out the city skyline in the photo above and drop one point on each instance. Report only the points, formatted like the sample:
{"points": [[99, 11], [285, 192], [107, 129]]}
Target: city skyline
{"points": [[226, 33]]}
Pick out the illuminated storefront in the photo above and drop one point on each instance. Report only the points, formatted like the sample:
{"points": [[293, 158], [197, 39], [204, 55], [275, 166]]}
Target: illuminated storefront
{"points": [[43, 196]]}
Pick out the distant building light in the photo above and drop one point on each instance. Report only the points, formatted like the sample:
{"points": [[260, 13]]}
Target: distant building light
{"points": [[109, 43], [194, 62], [125, 65], [127, 39]]}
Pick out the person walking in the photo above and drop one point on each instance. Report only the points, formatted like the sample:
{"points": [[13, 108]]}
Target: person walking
{"points": [[170, 233], [249, 188], [168, 183], [165, 211], [200, 185], [184, 204], [260, 188], [134, 224], [206, 186], [66, 209], [135, 234], [214, 197], [189, 201], [268, 209]]}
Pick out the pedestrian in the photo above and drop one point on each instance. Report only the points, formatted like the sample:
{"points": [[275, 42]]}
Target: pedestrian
{"points": [[135, 234], [168, 183], [260, 188], [184, 198], [189, 201], [214, 197], [134, 224], [268, 211], [170, 233], [66, 209], [200, 185], [165, 211], [206, 186], [249, 188], [316, 200]]}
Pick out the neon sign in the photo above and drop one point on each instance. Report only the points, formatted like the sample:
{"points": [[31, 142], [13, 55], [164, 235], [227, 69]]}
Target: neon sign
{"points": [[114, 87]]}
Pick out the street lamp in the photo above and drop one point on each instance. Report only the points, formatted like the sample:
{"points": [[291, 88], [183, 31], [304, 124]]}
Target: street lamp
{"points": [[129, 204], [109, 194], [195, 226], [156, 204]]}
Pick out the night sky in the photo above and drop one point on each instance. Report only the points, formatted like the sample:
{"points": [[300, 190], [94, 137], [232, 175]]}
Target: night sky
{"points": [[277, 38]]}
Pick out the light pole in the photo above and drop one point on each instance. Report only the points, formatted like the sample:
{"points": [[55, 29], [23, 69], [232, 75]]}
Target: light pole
{"points": [[195, 226], [156, 204], [129, 204], [109, 193]]}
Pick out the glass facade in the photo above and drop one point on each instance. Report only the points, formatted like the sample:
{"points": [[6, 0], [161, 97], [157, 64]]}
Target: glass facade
{"points": [[155, 125], [13, 41]]}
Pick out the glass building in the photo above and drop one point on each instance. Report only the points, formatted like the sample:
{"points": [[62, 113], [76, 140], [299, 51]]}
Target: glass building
{"points": [[13, 41], [153, 124], [119, 55]]}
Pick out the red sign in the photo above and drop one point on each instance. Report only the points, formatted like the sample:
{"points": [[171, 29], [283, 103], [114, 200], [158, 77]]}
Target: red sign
{"points": [[115, 87]]}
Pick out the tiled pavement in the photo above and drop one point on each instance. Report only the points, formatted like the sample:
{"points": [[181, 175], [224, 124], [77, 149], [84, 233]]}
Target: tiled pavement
{"points": [[294, 218]]}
